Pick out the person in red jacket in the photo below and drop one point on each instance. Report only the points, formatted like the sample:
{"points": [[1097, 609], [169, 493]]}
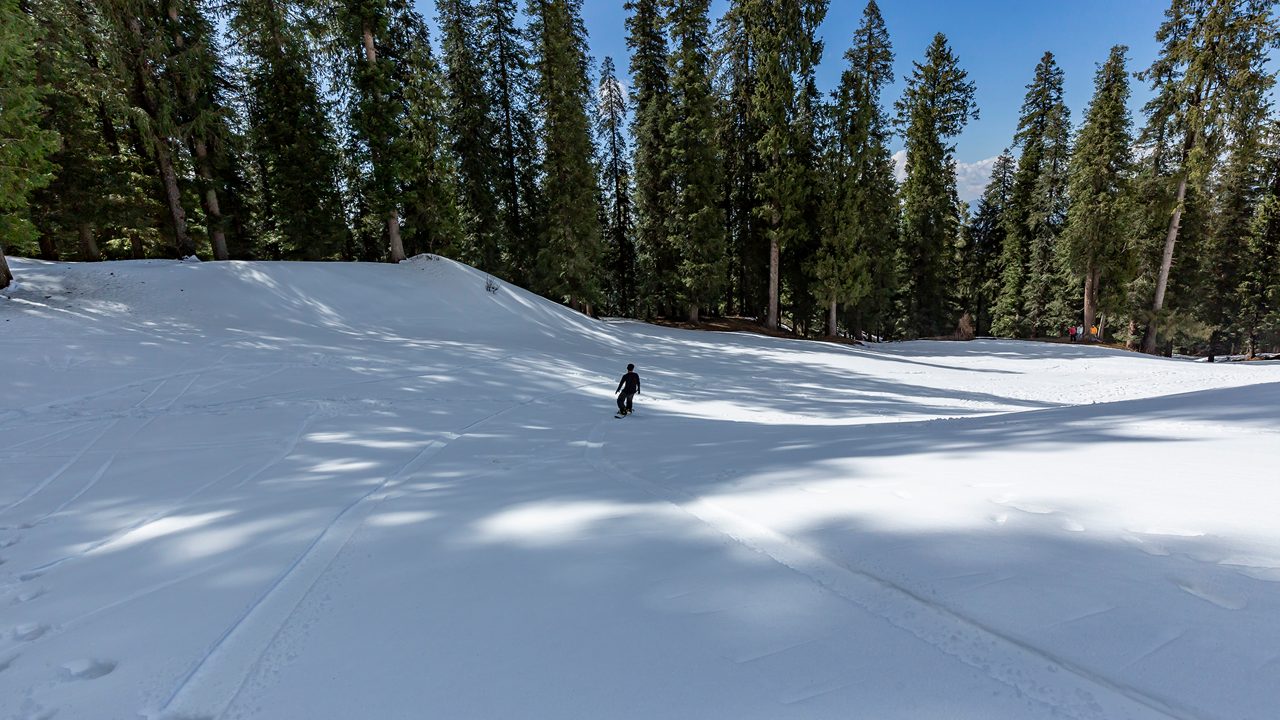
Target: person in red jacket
{"points": [[628, 387]]}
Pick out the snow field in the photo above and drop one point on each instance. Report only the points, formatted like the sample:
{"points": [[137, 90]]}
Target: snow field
{"points": [[260, 490]]}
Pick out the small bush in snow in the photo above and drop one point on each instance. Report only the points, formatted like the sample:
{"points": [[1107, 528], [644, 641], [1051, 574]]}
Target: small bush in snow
{"points": [[491, 285]]}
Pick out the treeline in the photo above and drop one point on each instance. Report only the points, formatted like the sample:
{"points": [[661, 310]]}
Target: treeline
{"points": [[719, 181]]}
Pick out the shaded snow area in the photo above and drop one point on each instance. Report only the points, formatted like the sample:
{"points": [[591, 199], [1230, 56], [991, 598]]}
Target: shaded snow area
{"points": [[279, 491]]}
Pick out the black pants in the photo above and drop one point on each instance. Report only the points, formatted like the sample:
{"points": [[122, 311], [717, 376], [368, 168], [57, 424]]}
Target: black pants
{"points": [[624, 401]]}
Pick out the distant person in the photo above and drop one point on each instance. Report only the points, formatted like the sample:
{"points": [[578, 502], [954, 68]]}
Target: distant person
{"points": [[1071, 333], [1080, 331], [1093, 332], [628, 387]]}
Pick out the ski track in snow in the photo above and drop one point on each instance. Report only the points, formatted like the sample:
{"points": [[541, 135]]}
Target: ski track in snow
{"points": [[216, 679], [1052, 681], [52, 477]]}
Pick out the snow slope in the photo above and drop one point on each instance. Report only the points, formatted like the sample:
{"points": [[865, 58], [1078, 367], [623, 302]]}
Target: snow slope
{"points": [[257, 490]]}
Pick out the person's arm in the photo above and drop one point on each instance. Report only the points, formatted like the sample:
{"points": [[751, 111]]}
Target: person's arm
{"points": [[620, 384], [637, 384]]}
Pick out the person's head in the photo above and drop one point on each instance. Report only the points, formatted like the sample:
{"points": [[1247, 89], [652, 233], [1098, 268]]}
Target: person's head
{"points": [[630, 367]]}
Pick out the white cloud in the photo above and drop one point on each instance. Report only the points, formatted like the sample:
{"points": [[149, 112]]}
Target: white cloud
{"points": [[971, 178], [900, 165]]}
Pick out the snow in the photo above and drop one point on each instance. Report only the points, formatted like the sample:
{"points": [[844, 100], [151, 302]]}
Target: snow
{"points": [[261, 490]]}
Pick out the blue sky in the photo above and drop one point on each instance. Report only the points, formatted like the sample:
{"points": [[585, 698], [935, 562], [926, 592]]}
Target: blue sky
{"points": [[998, 42]]}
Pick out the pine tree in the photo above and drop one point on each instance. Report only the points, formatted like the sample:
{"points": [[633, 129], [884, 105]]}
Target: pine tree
{"points": [[697, 227], [93, 194], [985, 237], [195, 69], [786, 51], [656, 258], [24, 166], [1033, 297], [747, 248], [299, 214], [427, 185], [470, 121], [376, 111], [854, 265], [138, 44], [1258, 286], [936, 105], [1094, 242], [1237, 191], [615, 181], [568, 264], [509, 82], [1211, 52]]}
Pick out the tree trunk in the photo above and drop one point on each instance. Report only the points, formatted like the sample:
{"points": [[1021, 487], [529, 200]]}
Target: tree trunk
{"points": [[831, 319], [1102, 327], [217, 237], [163, 156], [137, 250], [48, 247], [393, 217], [6, 277], [370, 53], [173, 197], [1166, 262], [772, 320], [89, 244], [693, 312], [393, 230], [1091, 277]]}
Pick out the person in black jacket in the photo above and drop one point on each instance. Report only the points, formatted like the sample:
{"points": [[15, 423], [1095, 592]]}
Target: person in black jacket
{"points": [[628, 387]]}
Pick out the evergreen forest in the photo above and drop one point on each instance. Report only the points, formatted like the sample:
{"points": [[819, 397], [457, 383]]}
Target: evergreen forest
{"points": [[704, 176]]}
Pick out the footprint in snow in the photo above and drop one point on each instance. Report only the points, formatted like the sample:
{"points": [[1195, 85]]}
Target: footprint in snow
{"points": [[29, 595], [1224, 598], [29, 632], [87, 669]]}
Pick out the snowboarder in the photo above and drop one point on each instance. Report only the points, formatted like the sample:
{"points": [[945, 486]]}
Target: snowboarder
{"points": [[628, 387]]}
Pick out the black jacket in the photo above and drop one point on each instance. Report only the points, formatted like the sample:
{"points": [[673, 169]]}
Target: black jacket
{"points": [[629, 383]]}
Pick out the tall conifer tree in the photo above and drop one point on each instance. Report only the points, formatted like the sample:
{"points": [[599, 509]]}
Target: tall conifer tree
{"points": [[746, 247], [785, 52], [697, 227], [935, 107], [509, 82], [426, 186], [1211, 52], [1033, 296], [471, 133], [1098, 221], [1258, 283], [615, 182], [985, 240], [656, 258], [854, 266], [294, 152], [568, 264], [23, 154], [138, 44]]}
